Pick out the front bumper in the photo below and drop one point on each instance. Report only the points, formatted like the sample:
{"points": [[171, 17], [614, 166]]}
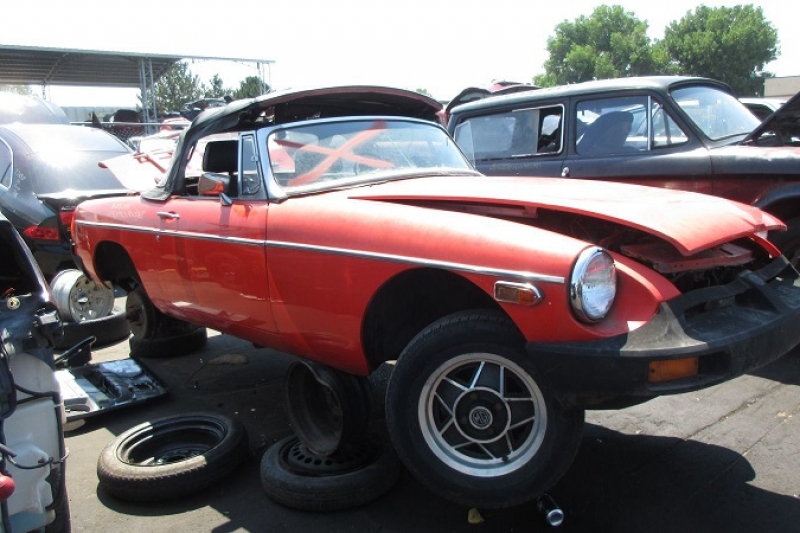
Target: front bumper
{"points": [[731, 329]]}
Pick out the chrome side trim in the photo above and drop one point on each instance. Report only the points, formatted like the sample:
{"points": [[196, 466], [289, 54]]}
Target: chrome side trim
{"points": [[463, 267], [475, 269], [159, 233]]}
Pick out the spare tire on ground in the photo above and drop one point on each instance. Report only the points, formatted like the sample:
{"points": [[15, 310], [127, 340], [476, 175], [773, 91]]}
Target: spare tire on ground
{"points": [[355, 474], [172, 457]]}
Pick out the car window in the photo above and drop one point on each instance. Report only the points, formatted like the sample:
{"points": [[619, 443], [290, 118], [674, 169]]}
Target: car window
{"points": [[5, 165], [717, 114], [51, 173], [621, 125], [611, 125], [510, 134]]}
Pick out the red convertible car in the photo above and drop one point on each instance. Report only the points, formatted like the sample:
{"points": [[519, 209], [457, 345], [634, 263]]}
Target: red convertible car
{"points": [[343, 225]]}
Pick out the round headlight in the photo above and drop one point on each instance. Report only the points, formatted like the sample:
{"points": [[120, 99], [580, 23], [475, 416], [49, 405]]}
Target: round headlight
{"points": [[593, 285]]}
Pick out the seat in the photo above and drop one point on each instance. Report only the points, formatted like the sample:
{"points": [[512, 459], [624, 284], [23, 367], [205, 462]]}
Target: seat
{"points": [[607, 134], [222, 157]]}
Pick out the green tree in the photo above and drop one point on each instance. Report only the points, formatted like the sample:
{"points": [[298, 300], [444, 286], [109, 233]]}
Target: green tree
{"points": [[176, 87], [250, 87], [611, 43], [216, 88], [731, 44]]}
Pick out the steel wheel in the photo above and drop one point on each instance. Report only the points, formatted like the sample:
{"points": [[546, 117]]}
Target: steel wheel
{"points": [[482, 415], [171, 457], [79, 298]]}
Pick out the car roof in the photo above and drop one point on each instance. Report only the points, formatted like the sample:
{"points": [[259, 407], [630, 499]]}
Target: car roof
{"points": [[29, 109], [322, 102], [594, 87], [46, 137]]}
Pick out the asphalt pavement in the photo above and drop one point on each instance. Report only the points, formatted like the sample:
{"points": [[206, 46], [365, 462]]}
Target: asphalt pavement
{"points": [[724, 459]]}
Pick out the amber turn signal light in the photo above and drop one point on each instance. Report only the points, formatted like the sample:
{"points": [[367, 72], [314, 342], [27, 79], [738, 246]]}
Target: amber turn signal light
{"points": [[673, 369], [517, 293]]}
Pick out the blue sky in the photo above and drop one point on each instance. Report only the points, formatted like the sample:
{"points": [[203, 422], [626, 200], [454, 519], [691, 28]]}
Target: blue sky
{"points": [[441, 46]]}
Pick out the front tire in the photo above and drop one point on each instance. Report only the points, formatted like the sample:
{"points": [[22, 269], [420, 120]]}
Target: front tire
{"points": [[470, 417]]}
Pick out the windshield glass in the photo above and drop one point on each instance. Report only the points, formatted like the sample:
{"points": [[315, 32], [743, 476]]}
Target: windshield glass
{"points": [[718, 114], [333, 154]]}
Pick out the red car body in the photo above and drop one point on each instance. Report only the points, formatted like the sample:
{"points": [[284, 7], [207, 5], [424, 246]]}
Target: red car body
{"points": [[379, 242]]}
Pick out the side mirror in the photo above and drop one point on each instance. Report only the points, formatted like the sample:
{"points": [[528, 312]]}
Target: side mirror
{"points": [[211, 184]]}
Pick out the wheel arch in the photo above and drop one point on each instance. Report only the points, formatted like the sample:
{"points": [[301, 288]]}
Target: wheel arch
{"points": [[783, 202], [113, 263], [409, 302]]}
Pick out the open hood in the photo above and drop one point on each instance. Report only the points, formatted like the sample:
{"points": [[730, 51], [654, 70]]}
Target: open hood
{"points": [[689, 221], [784, 123]]}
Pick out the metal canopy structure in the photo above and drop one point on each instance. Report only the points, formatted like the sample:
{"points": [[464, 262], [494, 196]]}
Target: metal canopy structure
{"points": [[96, 68]]}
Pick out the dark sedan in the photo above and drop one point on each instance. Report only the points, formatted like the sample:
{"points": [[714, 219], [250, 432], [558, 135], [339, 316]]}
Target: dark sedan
{"points": [[45, 171], [672, 132]]}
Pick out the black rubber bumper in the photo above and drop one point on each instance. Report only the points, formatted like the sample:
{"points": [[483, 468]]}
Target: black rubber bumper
{"points": [[731, 329]]}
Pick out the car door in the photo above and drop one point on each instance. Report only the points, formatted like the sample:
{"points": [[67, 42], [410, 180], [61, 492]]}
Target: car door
{"points": [[633, 138], [213, 254]]}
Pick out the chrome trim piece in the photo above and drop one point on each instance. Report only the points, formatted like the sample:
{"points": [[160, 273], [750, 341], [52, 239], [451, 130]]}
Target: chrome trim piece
{"points": [[159, 233], [474, 269], [576, 284]]}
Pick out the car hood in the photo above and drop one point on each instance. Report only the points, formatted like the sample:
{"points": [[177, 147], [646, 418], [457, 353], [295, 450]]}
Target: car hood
{"points": [[691, 222], [787, 116]]}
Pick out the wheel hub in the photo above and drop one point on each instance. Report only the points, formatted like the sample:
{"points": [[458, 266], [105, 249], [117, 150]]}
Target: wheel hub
{"points": [[481, 415], [297, 458]]}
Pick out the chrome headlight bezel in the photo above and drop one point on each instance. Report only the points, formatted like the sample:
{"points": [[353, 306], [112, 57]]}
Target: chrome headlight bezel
{"points": [[593, 285]]}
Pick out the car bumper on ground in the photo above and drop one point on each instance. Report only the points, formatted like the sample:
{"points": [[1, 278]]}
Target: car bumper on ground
{"points": [[702, 338]]}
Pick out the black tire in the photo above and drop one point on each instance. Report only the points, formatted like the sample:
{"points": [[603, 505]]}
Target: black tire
{"points": [[788, 241], [154, 334], [107, 330], [490, 452], [171, 457], [352, 476]]}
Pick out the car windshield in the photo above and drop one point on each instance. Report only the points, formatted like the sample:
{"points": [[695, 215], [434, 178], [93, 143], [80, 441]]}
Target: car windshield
{"points": [[719, 115], [338, 153]]}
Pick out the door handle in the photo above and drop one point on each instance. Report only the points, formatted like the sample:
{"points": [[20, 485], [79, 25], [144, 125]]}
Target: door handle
{"points": [[168, 214], [565, 172]]}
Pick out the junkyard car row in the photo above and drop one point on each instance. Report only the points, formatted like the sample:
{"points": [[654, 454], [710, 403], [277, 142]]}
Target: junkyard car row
{"points": [[344, 226]]}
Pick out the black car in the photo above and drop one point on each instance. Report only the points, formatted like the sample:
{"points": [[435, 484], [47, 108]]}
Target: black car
{"points": [[675, 132], [45, 171]]}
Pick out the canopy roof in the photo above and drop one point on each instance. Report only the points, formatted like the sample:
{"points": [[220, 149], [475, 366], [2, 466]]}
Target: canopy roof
{"points": [[30, 65], [61, 66]]}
